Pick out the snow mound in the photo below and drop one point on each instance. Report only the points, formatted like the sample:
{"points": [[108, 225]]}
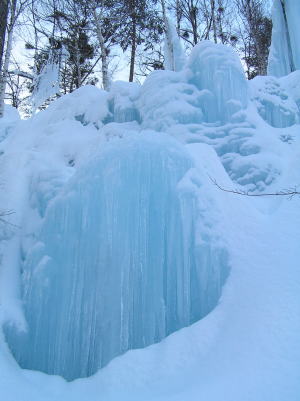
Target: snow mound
{"points": [[168, 99], [274, 104], [88, 105]]}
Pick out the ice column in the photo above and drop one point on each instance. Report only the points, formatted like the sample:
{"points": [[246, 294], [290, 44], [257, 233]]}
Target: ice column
{"points": [[284, 55], [116, 265], [217, 71]]}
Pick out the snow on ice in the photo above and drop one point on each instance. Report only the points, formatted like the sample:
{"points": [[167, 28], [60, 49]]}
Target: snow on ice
{"points": [[125, 267]]}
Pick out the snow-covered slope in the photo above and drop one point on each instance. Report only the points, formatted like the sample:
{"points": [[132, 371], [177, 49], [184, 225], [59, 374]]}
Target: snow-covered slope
{"points": [[120, 240]]}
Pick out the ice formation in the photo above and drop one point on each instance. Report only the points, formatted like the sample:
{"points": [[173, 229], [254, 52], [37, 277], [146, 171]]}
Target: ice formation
{"points": [[173, 51], [116, 265], [125, 239], [284, 56], [274, 102], [217, 72]]}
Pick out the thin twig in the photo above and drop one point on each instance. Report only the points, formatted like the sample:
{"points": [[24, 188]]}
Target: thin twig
{"points": [[289, 192], [5, 213]]}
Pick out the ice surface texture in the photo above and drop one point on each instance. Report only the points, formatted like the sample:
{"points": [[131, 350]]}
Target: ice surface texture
{"points": [[117, 265], [217, 71], [274, 103], [284, 56]]}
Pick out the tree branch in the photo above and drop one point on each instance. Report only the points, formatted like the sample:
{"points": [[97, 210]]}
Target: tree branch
{"points": [[4, 213], [286, 192]]}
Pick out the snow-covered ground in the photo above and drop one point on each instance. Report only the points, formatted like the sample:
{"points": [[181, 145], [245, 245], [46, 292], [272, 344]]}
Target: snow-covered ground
{"points": [[121, 240]]}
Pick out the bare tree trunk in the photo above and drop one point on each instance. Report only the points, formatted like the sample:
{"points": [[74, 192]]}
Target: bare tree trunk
{"points": [[3, 25], [213, 17], [4, 73], [104, 67], [133, 41], [194, 23], [132, 58], [78, 69], [178, 17]]}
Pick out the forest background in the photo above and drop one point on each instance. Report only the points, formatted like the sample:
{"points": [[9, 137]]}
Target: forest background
{"points": [[52, 47]]}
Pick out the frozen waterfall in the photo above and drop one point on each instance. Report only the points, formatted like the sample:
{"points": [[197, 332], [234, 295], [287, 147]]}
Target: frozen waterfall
{"points": [[284, 56], [121, 260]]}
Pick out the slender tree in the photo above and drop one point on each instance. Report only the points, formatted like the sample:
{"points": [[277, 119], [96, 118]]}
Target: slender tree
{"points": [[7, 55], [203, 20], [98, 18], [141, 25], [255, 35], [3, 25]]}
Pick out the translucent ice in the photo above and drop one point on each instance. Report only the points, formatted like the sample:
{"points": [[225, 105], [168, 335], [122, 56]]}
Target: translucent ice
{"points": [[173, 51], [124, 258], [284, 54], [217, 71], [123, 96]]}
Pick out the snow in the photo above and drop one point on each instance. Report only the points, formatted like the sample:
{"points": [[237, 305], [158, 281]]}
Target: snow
{"points": [[274, 103], [123, 98], [46, 85], [88, 104], [125, 263], [7, 124]]}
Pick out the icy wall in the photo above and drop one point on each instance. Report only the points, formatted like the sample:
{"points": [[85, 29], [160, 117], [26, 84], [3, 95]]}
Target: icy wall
{"points": [[116, 265], [284, 56]]}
